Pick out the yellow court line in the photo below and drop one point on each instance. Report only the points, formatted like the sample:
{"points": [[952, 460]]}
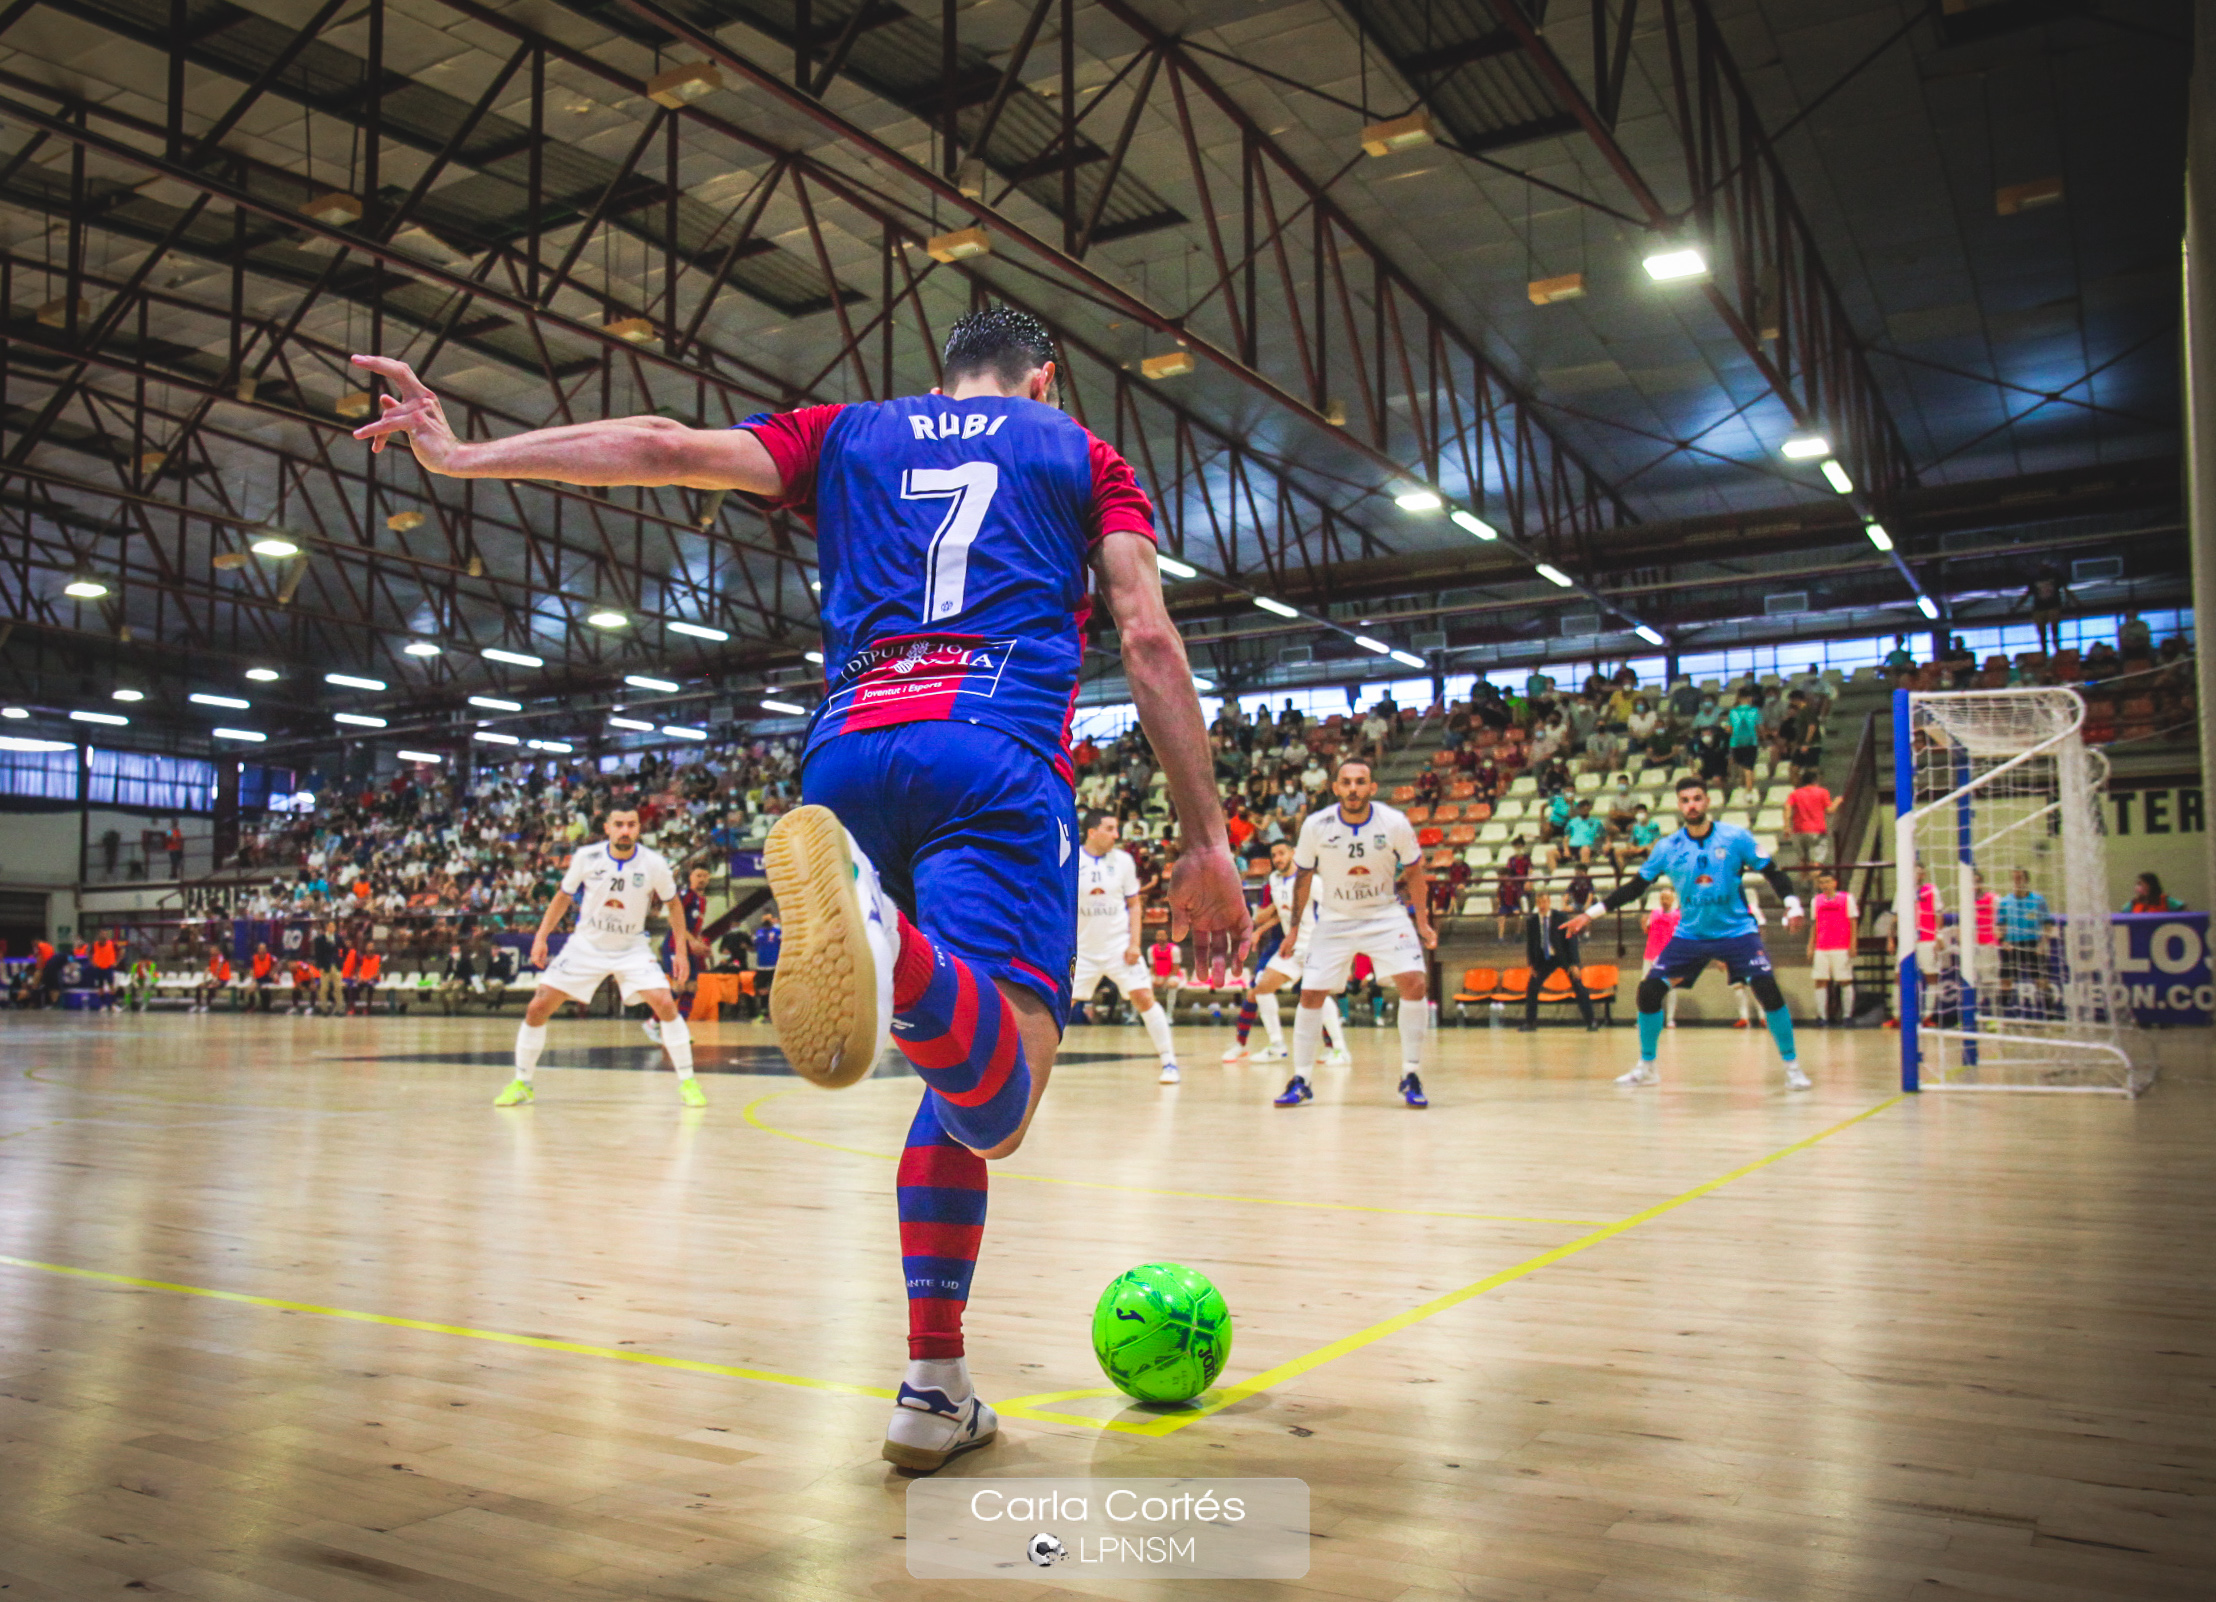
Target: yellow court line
{"points": [[539, 1342], [1149, 1190], [1032, 1407]]}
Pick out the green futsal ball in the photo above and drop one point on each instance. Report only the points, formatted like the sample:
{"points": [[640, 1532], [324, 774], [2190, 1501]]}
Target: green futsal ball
{"points": [[1161, 1332]]}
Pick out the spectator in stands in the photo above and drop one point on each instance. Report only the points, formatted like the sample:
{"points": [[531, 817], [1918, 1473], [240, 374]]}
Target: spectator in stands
{"points": [[1578, 894], [1709, 715], [1515, 876], [1375, 727], [1638, 841], [2134, 638], [1808, 811], [1958, 663], [2045, 598], [1582, 835], [2147, 895], [1314, 779], [1640, 722], [1663, 747], [1239, 827], [1604, 751], [1745, 723], [1548, 951], [1538, 687], [2101, 662], [1900, 659], [500, 972], [1684, 702], [1710, 756], [456, 979]]}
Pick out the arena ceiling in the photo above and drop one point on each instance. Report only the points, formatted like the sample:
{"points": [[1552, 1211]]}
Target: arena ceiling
{"points": [[1943, 238]]}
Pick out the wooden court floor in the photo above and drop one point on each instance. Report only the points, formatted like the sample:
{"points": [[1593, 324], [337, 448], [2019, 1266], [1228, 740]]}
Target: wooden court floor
{"points": [[288, 1310]]}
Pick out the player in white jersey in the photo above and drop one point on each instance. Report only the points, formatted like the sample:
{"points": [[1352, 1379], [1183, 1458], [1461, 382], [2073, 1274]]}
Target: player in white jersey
{"points": [[613, 885], [1108, 932], [1274, 970], [1358, 858]]}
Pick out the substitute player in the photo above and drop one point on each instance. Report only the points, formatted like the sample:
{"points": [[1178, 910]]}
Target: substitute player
{"points": [[613, 884], [1366, 855], [1108, 910], [1273, 971], [1706, 861], [1831, 947], [956, 535]]}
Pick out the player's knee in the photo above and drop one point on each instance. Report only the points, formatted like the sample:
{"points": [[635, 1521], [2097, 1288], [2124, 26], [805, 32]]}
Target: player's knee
{"points": [[1410, 985], [1764, 986], [1653, 991]]}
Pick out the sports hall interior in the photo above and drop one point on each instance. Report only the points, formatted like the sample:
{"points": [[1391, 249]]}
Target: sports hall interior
{"points": [[1542, 402]]}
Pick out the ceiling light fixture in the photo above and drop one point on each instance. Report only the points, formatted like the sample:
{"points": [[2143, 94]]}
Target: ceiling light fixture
{"points": [[1553, 574], [512, 658], [814, 656], [493, 703], [699, 631], [235, 703], [253, 735], [272, 546], [492, 737], [263, 675], [1836, 476], [1471, 523], [1924, 604], [112, 719], [1421, 500], [127, 695], [347, 681], [1674, 266], [419, 756], [85, 589], [1368, 644], [1276, 608], [681, 732], [360, 720], [607, 620], [1651, 636], [14, 712], [1174, 568], [1200, 683], [1407, 660], [785, 707], [632, 724], [1878, 537], [421, 648], [13, 744], [639, 681], [558, 747], [1802, 446]]}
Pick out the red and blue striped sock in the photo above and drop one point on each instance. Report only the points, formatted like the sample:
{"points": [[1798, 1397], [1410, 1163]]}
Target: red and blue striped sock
{"points": [[942, 1218], [1248, 1013], [958, 1030]]}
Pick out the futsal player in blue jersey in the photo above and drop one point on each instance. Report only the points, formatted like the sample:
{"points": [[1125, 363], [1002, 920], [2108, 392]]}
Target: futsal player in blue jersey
{"points": [[1706, 861], [929, 882]]}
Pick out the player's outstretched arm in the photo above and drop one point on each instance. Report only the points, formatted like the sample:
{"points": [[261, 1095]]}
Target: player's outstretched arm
{"points": [[556, 911], [1205, 895], [651, 452], [1622, 896]]}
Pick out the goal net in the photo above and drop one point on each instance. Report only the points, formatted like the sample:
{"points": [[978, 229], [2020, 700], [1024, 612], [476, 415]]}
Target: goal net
{"points": [[2007, 961]]}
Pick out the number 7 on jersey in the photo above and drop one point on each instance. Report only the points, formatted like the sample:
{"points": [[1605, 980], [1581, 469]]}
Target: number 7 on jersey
{"points": [[971, 487]]}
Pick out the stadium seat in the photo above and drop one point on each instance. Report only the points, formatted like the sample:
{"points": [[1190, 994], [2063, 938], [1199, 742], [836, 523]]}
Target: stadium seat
{"points": [[1440, 860], [1446, 812], [1770, 820], [1478, 858], [1402, 793], [1477, 811], [1462, 834], [1865, 674], [1442, 758], [1766, 844], [1477, 985], [1525, 785], [1419, 814], [1160, 915], [1430, 836], [1514, 983], [1586, 782], [1258, 869], [1494, 833], [1461, 792], [1509, 809]]}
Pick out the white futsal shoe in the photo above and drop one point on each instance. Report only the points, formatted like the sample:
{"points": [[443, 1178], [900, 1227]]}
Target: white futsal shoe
{"points": [[1644, 1074], [930, 1426], [652, 1029], [1170, 1074], [1236, 1054], [832, 1005], [1796, 1080], [1337, 1057], [1272, 1054]]}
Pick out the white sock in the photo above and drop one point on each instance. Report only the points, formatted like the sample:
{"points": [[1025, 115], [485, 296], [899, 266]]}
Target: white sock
{"points": [[530, 1041], [1307, 1032], [1745, 1000], [1415, 1024], [677, 1041], [1157, 1021], [1846, 1003], [1669, 1003], [1334, 1024], [947, 1374], [1273, 1025]]}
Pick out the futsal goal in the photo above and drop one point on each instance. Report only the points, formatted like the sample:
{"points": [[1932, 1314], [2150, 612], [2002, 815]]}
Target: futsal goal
{"points": [[2001, 916]]}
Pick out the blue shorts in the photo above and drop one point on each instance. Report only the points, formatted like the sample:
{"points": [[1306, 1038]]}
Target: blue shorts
{"points": [[1682, 960], [974, 836]]}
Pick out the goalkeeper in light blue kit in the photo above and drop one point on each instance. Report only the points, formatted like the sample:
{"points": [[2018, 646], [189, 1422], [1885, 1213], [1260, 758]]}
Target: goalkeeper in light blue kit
{"points": [[1706, 861]]}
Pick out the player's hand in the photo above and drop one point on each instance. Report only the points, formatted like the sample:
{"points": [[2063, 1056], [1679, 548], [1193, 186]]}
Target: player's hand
{"points": [[538, 951], [414, 411], [1130, 956], [1578, 924], [1208, 901], [680, 970], [1428, 935], [1792, 920]]}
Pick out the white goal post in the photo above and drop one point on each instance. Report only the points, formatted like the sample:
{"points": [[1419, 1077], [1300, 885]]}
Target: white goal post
{"points": [[2000, 902]]}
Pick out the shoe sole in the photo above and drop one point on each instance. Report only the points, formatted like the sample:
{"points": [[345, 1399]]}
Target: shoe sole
{"points": [[919, 1461], [824, 1012]]}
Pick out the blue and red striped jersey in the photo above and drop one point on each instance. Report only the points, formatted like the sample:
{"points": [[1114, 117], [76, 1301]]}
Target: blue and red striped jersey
{"points": [[953, 539]]}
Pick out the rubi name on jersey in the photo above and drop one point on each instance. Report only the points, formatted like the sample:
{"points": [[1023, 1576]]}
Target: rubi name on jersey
{"points": [[956, 425]]}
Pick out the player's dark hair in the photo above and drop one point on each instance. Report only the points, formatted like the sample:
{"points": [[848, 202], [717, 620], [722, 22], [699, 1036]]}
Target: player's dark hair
{"points": [[1352, 762], [1691, 781], [1001, 340], [1090, 819]]}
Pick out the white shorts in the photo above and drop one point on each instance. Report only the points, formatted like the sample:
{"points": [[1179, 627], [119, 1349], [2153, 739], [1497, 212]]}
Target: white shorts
{"points": [[580, 966], [1387, 939], [1831, 967], [1125, 976], [1288, 966]]}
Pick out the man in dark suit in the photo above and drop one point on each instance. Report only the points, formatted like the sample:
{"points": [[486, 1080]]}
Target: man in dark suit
{"points": [[1546, 948]]}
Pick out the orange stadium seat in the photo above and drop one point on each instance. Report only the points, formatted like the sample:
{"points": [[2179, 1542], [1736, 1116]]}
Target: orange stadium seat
{"points": [[1462, 834], [1419, 814], [1441, 859], [1447, 812], [1477, 984], [1430, 835], [1477, 812], [1464, 790], [1514, 982], [1442, 759], [1403, 793]]}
